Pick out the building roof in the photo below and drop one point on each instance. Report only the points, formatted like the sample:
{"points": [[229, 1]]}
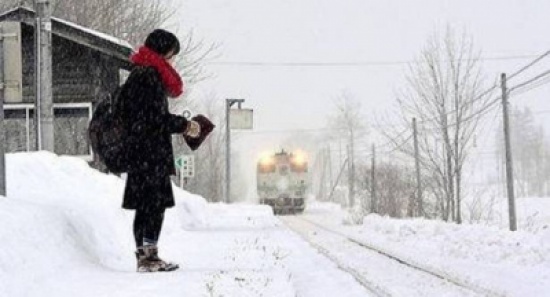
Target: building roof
{"points": [[102, 42]]}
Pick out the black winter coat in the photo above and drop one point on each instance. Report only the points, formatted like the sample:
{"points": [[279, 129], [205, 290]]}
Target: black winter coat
{"points": [[144, 108]]}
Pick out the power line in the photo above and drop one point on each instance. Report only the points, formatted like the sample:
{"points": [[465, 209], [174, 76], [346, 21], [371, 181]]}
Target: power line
{"points": [[535, 85], [493, 103], [529, 65], [473, 100], [310, 130], [532, 80], [480, 112], [366, 151], [353, 63], [489, 90], [398, 147]]}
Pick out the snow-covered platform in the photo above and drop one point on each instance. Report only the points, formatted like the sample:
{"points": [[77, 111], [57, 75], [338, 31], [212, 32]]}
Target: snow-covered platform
{"points": [[64, 234]]}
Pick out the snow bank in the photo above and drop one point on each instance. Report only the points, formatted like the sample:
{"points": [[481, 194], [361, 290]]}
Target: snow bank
{"points": [[313, 206], [241, 216], [60, 213], [490, 207], [465, 242], [484, 255]]}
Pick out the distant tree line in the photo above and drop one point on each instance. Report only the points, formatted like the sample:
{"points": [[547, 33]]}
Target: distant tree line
{"points": [[530, 152], [445, 91]]}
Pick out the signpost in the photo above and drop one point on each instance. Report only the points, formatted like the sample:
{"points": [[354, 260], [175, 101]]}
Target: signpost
{"points": [[186, 167], [235, 119]]}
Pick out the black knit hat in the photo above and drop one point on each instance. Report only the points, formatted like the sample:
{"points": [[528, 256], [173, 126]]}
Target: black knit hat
{"points": [[162, 42]]}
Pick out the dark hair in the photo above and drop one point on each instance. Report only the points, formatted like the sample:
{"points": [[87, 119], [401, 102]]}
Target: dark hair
{"points": [[162, 42]]}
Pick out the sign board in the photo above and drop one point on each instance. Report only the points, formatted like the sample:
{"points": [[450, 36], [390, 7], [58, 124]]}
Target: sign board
{"points": [[186, 165], [241, 119], [13, 63]]}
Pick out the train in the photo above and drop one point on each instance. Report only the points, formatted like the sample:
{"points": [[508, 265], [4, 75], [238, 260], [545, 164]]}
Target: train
{"points": [[283, 181]]}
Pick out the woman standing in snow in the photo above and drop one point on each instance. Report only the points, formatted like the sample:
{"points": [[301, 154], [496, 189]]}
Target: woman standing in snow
{"points": [[144, 109]]}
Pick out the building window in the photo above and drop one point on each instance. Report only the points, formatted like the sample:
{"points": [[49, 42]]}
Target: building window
{"points": [[70, 128]]}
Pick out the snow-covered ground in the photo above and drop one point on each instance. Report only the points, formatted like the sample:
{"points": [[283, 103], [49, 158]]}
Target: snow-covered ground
{"points": [[509, 263], [63, 233]]}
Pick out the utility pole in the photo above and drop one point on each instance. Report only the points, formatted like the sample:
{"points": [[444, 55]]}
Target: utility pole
{"points": [[373, 181], [351, 172], [420, 210], [508, 149], [340, 162], [228, 104], [2, 127], [329, 157], [322, 182], [43, 76]]}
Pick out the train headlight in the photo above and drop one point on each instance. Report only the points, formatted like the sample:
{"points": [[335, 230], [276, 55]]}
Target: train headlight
{"points": [[299, 159], [266, 164], [298, 162], [267, 161]]}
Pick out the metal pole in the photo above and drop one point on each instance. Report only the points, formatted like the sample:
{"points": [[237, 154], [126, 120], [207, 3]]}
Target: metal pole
{"points": [[227, 150], [44, 96], [348, 151], [2, 131], [373, 180], [228, 104], [417, 165], [37, 80], [321, 168], [352, 172], [181, 178], [329, 157], [508, 149]]}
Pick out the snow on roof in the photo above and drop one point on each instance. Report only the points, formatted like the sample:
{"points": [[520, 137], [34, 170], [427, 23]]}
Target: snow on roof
{"points": [[78, 27], [96, 33], [9, 11]]}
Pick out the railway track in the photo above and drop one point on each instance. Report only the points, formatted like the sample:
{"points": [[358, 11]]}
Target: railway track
{"points": [[380, 272]]}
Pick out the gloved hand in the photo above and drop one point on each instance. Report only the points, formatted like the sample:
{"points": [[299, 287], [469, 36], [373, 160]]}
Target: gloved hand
{"points": [[193, 129], [206, 128]]}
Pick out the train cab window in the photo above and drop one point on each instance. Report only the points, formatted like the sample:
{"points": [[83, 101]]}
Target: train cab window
{"points": [[266, 168]]}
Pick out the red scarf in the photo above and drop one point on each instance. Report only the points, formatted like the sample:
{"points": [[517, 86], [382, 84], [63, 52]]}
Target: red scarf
{"points": [[170, 78]]}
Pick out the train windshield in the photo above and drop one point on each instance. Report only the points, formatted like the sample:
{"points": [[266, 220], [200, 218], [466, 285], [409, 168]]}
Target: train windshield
{"points": [[266, 168]]}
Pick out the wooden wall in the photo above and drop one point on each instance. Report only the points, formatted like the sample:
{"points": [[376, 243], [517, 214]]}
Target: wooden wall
{"points": [[80, 74]]}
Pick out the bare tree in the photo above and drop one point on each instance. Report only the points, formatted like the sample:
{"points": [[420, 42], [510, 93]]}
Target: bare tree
{"points": [[130, 20], [445, 92], [530, 153], [394, 185], [209, 159], [348, 123]]}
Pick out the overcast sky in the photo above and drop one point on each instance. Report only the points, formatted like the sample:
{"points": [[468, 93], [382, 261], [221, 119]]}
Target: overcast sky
{"points": [[280, 31], [347, 31]]}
